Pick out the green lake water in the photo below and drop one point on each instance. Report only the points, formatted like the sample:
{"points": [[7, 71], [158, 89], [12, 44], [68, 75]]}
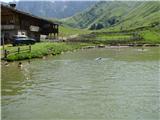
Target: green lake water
{"points": [[123, 85]]}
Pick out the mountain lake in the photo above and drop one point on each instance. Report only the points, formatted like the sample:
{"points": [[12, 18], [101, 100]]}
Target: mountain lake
{"points": [[98, 83]]}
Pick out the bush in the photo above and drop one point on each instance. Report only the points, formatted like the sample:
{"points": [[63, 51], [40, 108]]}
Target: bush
{"points": [[96, 26]]}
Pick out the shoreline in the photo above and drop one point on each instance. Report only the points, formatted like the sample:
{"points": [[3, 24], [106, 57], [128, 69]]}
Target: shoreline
{"points": [[70, 47], [39, 50]]}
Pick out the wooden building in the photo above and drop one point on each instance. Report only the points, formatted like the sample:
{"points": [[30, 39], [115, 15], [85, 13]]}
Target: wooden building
{"points": [[15, 22]]}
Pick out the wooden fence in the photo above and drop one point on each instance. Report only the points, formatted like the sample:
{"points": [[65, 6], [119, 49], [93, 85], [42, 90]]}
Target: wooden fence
{"points": [[7, 52]]}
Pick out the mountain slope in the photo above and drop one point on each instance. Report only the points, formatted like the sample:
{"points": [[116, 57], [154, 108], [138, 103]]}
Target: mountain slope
{"points": [[119, 15], [146, 14], [104, 12], [56, 9]]}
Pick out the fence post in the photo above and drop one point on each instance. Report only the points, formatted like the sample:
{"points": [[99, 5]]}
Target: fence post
{"points": [[30, 48], [18, 50], [5, 53]]}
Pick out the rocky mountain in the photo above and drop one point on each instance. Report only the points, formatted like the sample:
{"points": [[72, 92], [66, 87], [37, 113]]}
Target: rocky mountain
{"points": [[54, 9]]}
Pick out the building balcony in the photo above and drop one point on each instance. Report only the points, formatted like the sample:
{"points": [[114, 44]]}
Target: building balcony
{"points": [[9, 27]]}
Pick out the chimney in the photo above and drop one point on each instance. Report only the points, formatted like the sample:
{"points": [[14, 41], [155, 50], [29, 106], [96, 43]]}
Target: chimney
{"points": [[13, 5]]}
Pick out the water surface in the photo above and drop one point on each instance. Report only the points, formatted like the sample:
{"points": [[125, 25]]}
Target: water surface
{"points": [[122, 85]]}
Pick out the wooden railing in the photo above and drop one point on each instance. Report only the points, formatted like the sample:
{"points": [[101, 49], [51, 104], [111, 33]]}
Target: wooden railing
{"points": [[7, 52]]}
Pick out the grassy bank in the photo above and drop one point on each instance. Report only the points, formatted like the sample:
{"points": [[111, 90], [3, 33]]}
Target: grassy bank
{"points": [[139, 36], [41, 49], [66, 31], [150, 36], [107, 38]]}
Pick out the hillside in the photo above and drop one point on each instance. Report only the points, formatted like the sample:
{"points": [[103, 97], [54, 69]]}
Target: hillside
{"points": [[117, 15], [66, 31], [146, 14], [53, 9]]}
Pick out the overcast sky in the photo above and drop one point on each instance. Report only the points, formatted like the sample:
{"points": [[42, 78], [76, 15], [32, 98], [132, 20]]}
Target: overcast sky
{"points": [[45, 0], [75, 0]]}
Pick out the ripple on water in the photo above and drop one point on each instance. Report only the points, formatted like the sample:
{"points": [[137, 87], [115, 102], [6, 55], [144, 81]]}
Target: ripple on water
{"points": [[123, 85]]}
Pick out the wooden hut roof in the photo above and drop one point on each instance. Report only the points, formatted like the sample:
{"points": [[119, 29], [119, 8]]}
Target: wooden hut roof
{"points": [[27, 14]]}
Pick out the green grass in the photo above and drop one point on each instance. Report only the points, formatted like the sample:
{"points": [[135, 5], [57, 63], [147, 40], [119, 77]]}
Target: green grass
{"points": [[112, 36], [150, 36], [66, 31], [109, 38], [42, 49]]}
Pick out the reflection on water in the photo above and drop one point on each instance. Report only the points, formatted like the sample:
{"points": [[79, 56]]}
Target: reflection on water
{"points": [[122, 85]]}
